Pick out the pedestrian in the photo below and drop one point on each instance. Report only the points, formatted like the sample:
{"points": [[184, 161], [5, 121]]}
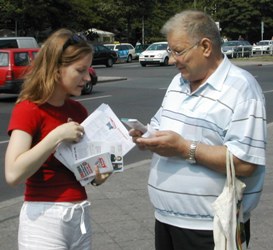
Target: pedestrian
{"points": [[240, 38], [55, 212], [209, 106]]}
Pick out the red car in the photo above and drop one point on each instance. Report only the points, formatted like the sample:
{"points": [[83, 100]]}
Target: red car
{"points": [[89, 85], [14, 64]]}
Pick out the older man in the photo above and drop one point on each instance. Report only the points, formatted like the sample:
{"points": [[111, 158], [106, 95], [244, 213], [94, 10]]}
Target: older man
{"points": [[210, 105]]}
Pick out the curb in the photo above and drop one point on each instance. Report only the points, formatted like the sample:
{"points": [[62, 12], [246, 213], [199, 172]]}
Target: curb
{"points": [[111, 78]]}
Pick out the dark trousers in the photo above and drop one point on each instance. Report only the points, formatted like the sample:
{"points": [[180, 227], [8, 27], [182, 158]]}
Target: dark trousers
{"points": [[169, 237]]}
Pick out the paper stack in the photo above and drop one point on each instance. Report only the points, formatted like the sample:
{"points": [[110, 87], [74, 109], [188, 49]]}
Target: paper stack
{"points": [[104, 144]]}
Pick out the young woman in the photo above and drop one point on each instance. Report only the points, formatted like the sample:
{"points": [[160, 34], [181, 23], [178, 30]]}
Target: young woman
{"points": [[55, 211]]}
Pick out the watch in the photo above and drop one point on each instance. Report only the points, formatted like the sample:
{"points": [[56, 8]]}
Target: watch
{"points": [[191, 158]]}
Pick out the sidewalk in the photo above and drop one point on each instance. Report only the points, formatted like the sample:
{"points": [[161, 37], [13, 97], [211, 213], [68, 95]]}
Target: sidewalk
{"points": [[123, 218]]}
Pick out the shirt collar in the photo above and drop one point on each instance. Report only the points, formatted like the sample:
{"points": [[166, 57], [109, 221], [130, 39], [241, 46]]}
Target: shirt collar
{"points": [[218, 77]]}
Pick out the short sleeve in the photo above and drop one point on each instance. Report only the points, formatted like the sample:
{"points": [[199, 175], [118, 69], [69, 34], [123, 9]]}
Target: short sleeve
{"points": [[246, 137], [25, 117]]}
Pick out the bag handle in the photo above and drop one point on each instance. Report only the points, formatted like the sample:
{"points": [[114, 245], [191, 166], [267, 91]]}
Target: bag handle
{"points": [[230, 169]]}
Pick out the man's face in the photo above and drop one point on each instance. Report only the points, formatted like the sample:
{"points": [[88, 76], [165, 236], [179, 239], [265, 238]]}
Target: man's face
{"points": [[187, 55]]}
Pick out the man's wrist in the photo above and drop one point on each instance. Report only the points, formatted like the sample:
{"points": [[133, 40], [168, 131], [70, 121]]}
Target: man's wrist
{"points": [[192, 152]]}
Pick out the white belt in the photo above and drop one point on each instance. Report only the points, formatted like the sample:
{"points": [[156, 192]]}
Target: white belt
{"points": [[69, 211]]}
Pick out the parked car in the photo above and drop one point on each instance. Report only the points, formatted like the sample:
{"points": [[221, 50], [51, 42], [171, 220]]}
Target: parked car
{"points": [[156, 53], [140, 48], [263, 46], [237, 48], [14, 64], [18, 42], [126, 51], [103, 56]]}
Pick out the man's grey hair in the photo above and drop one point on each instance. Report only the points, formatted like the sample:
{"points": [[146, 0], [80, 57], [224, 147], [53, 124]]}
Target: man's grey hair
{"points": [[196, 24]]}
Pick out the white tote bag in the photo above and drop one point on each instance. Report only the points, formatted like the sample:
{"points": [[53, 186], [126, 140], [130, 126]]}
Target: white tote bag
{"points": [[228, 217]]}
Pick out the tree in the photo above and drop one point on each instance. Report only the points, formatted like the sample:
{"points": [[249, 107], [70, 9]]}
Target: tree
{"points": [[240, 17], [127, 18]]}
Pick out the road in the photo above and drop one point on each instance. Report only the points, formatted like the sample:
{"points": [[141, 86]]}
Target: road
{"points": [[137, 97]]}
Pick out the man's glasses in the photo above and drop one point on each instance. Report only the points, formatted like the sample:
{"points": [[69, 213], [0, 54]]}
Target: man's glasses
{"points": [[75, 39], [181, 53]]}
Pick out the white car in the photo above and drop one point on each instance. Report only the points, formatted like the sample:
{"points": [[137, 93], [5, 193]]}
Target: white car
{"points": [[156, 53], [126, 51], [264, 46]]}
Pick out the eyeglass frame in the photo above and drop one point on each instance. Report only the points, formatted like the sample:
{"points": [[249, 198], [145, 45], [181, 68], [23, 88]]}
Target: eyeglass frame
{"points": [[183, 52], [74, 39]]}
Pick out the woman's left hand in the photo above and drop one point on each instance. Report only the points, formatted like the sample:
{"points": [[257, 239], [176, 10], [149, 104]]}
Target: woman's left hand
{"points": [[100, 178]]}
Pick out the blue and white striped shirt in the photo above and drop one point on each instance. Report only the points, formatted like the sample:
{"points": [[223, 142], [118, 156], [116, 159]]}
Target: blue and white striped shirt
{"points": [[228, 109]]}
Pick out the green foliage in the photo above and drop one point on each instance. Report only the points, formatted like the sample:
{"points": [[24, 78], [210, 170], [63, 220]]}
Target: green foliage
{"points": [[129, 18]]}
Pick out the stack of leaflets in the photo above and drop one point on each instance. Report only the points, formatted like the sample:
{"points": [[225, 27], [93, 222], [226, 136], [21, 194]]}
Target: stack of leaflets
{"points": [[105, 143]]}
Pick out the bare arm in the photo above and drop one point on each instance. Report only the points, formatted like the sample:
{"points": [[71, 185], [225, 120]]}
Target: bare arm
{"points": [[22, 161], [169, 143]]}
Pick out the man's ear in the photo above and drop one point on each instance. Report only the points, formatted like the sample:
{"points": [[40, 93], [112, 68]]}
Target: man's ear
{"points": [[206, 45]]}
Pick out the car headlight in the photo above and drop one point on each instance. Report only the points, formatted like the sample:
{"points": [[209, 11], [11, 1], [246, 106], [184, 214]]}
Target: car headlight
{"points": [[160, 54]]}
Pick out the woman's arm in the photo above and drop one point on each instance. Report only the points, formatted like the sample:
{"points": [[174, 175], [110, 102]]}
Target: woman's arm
{"points": [[22, 161]]}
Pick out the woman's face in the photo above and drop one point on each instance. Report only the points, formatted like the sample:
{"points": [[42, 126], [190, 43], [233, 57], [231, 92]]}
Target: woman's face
{"points": [[75, 76]]}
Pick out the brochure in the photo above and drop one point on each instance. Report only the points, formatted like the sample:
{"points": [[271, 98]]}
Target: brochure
{"points": [[105, 139]]}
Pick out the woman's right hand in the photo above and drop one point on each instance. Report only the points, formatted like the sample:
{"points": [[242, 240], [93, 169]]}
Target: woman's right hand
{"points": [[70, 131]]}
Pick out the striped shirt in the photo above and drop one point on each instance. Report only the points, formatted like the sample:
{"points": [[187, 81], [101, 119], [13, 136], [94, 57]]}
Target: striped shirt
{"points": [[228, 109]]}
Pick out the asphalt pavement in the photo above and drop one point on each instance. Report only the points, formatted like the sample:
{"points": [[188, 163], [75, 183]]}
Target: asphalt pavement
{"points": [[122, 216]]}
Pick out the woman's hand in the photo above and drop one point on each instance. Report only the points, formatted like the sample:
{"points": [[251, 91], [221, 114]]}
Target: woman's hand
{"points": [[100, 178], [70, 131]]}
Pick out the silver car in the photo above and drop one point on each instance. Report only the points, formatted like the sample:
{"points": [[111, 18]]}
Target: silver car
{"points": [[237, 48]]}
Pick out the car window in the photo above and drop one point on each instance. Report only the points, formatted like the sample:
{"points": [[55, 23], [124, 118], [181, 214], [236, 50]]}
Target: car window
{"points": [[8, 43], [110, 46], [263, 43], [21, 59], [102, 48], [4, 59], [154, 47], [229, 43], [98, 48]]}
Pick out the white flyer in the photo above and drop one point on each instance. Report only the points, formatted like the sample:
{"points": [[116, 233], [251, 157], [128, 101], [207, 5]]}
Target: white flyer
{"points": [[104, 134]]}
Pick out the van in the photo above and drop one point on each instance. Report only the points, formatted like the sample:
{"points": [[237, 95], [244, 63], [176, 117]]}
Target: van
{"points": [[13, 66], [18, 42]]}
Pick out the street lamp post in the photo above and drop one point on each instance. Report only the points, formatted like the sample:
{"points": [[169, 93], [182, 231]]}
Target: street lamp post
{"points": [[143, 30]]}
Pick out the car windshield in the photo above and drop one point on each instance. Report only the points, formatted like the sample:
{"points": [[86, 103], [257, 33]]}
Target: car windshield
{"points": [[158, 46], [262, 43], [230, 43], [110, 46]]}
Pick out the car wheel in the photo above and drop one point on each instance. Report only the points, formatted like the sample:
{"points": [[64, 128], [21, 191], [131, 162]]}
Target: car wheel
{"points": [[166, 61], [143, 64], [129, 59], [87, 89], [109, 62]]}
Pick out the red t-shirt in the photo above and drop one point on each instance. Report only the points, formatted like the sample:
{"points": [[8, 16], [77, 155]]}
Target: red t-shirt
{"points": [[53, 181]]}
